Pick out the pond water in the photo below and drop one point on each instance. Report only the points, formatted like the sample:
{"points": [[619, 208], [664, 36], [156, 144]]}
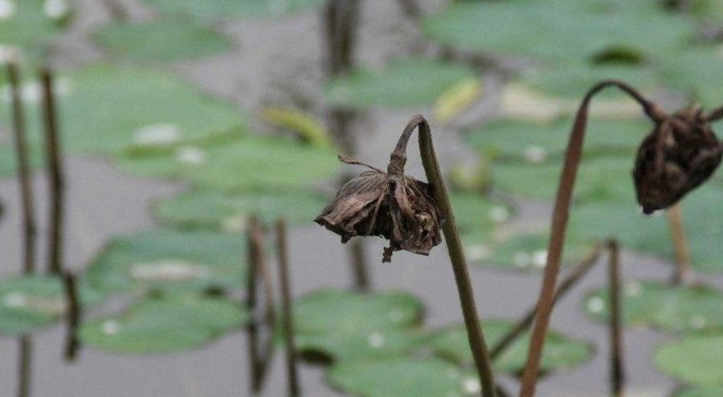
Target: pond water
{"points": [[278, 60]]}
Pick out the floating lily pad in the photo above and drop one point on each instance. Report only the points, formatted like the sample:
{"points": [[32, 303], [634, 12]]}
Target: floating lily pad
{"points": [[702, 392], [672, 309], [243, 164], [574, 80], [162, 40], [162, 325], [696, 360], [208, 209], [30, 303], [27, 23], [560, 353], [524, 251], [406, 82], [229, 9], [692, 72], [106, 109], [475, 212], [170, 260], [425, 377], [542, 142], [352, 346], [556, 30], [338, 312], [650, 234], [599, 179]]}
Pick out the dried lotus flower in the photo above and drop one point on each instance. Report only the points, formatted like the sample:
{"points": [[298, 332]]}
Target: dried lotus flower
{"points": [[388, 204], [679, 154]]}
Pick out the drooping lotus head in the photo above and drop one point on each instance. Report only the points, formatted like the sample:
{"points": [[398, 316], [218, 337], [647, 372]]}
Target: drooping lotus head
{"points": [[391, 205], [679, 154]]}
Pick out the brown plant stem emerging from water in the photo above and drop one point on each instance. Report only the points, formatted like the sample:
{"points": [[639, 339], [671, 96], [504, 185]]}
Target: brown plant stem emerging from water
{"points": [[21, 151], [683, 264], [294, 389], [409, 213], [72, 343], [560, 218], [56, 175]]}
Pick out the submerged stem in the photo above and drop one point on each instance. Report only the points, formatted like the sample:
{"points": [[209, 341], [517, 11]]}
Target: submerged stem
{"points": [[617, 370], [573, 155], [294, 389], [680, 245], [56, 174], [24, 178], [454, 247]]}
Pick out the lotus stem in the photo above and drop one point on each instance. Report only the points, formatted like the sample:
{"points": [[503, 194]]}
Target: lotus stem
{"points": [[560, 218], [454, 248], [680, 245], [294, 389]]}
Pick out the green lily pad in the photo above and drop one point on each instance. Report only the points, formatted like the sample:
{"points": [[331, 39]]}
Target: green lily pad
{"points": [[574, 80], [672, 309], [696, 360], [404, 82], [230, 9], [163, 325], [560, 353], [692, 72], [210, 209], [353, 346], [650, 234], [702, 392], [542, 142], [27, 23], [599, 179], [170, 260], [106, 109], [523, 251], [243, 164], [31, 303], [556, 30], [328, 312], [162, 40], [475, 212], [419, 377]]}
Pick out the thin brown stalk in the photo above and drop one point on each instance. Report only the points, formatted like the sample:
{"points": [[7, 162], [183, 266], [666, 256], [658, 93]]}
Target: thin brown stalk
{"points": [[255, 257], [25, 366], [29, 226], [72, 343], [56, 174], [454, 247], [560, 218], [575, 275], [617, 369], [294, 389], [680, 245], [259, 356]]}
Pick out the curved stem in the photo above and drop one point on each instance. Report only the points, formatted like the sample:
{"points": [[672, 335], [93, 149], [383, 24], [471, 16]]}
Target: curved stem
{"points": [[560, 217], [454, 246]]}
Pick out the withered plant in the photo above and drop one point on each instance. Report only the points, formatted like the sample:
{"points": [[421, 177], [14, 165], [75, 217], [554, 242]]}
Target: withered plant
{"points": [[409, 213], [678, 155]]}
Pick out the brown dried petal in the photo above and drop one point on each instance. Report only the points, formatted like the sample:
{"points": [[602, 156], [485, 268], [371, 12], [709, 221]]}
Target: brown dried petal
{"points": [[396, 207], [681, 153]]}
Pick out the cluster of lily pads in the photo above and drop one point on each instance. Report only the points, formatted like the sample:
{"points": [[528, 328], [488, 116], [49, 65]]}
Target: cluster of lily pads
{"points": [[156, 124]]}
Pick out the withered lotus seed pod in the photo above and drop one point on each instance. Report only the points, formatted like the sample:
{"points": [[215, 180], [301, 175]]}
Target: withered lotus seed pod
{"points": [[679, 154], [387, 204]]}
